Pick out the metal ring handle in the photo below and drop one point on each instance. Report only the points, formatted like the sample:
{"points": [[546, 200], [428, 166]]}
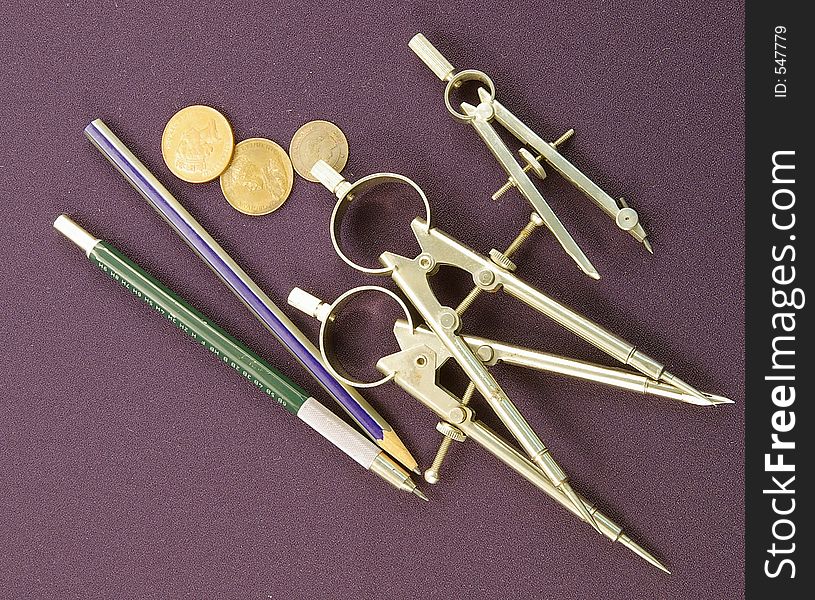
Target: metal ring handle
{"points": [[326, 335], [341, 207], [457, 80]]}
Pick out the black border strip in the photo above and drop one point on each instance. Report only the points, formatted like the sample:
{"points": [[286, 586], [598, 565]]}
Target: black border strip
{"points": [[778, 111]]}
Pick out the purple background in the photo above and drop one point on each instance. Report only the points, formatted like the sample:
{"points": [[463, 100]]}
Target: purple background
{"points": [[133, 465]]}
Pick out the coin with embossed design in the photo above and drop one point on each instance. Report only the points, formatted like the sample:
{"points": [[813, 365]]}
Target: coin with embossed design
{"points": [[318, 140], [197, 144], [259, 178]]}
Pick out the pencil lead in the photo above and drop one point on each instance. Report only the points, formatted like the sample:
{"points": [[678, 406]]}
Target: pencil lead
{"points": [[419, 493], [642, 552]]}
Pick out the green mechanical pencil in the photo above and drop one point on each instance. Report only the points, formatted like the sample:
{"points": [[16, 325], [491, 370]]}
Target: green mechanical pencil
{"points": [[232, 352]]}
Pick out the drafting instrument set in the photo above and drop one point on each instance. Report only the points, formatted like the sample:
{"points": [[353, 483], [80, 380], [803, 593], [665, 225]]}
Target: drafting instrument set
{"points": [[489, 110], [425, 349], [256, 176]]}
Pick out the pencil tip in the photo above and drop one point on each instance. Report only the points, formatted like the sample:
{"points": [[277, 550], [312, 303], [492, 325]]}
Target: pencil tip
{"points": [[391, 444], [421, 495]]}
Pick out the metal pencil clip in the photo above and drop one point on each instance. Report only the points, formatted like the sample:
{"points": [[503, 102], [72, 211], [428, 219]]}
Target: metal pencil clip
{"points": [[489, 109]]}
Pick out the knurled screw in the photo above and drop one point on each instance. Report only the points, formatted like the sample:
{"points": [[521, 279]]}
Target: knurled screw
{"points": [[531, 161], [451, 434], [501, 259], [535, 221]]}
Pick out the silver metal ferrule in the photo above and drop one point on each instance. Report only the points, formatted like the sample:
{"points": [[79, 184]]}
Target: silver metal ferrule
{"points": [[384, 466], [70, 229]]}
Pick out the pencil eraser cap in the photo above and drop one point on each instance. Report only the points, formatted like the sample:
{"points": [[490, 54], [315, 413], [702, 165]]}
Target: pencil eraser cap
{"points": [[71, 229]]}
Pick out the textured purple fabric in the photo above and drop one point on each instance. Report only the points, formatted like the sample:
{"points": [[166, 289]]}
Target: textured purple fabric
{"points": [[132, 465]]}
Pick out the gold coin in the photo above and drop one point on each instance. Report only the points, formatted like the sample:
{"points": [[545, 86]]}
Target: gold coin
{"points": [[318, 140], [259, 178], [197, 144]]}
